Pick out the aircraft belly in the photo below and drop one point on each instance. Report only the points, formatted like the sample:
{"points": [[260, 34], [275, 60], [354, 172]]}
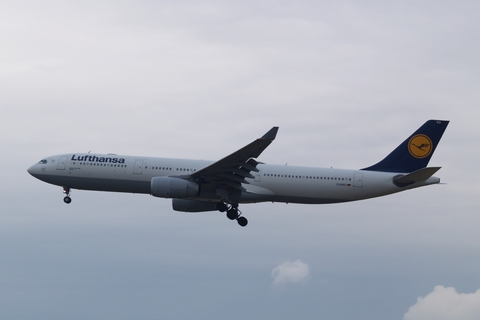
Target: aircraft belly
{"points": [[99, 184]]}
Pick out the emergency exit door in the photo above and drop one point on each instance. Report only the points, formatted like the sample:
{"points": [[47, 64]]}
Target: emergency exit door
{"points": [[138, 167], [358, 180]]}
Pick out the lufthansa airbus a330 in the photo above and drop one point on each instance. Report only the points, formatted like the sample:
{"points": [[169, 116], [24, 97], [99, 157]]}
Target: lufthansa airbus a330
{"points": [[197, 185]]}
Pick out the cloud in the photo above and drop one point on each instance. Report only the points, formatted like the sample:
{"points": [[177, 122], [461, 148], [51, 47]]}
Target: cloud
{"points": [[445, 303], [290, 272]]}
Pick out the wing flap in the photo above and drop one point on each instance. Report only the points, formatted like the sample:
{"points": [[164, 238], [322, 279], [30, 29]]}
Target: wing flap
{"points": [[234, 185], [250, 165], [233, 177]]}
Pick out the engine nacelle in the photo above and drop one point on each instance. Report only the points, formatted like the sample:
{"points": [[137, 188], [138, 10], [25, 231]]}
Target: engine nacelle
{"points": [[168, 187], [193, 205]]}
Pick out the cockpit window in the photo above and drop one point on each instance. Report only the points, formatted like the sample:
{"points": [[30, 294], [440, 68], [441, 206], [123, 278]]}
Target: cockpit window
{"points": [[43, 161]]}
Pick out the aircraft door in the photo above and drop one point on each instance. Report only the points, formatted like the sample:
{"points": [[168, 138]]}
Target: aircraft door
{"points": [[61, 163], [137, 169], [257, 176], [358, 180]]}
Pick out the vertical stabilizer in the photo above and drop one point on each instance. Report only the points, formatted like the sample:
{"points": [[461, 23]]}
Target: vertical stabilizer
{"points": [[415, 152]]}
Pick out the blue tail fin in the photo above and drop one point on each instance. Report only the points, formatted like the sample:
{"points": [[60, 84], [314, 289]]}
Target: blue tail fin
{"points": [[415, 152]]}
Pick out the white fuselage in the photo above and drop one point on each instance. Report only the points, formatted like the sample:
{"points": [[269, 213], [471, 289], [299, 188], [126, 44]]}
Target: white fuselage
{"points": [[278, 183]]}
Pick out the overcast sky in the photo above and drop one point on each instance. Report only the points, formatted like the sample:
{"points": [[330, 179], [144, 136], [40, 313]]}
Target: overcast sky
{"points": [[345, 81]]}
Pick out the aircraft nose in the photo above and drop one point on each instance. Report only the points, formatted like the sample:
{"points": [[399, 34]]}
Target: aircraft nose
{"points": [[34, 170], [31, 170]]}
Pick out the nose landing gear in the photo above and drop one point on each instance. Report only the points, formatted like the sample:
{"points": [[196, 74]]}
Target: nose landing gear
{"points": [[66, 191], [233, 213]]}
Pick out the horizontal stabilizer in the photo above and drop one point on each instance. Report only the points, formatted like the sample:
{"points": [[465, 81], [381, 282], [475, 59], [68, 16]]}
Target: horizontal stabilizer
{"points": [[416, 176]]}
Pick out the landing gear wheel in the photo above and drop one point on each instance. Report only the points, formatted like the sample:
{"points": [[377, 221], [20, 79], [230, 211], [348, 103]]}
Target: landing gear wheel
{"points": [[232, 214], [222, 206], [66, 191], [242, 221]]}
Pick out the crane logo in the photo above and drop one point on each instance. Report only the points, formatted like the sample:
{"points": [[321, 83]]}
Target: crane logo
{"points": [[420, 146]]}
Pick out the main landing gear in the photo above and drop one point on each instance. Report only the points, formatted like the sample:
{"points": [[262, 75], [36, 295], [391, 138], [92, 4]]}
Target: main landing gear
{"points": [[66, 191], [233, 213]]}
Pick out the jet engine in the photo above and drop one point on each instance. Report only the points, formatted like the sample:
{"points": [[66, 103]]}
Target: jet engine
{"points": [[169, 187]]}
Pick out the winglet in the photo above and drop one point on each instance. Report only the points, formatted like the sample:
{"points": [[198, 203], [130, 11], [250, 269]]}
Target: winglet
{"points": [[271, 134]]}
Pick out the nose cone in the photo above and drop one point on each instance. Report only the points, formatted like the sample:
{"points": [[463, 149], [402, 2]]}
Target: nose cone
{"points": [[31, 170], [34, 170]]}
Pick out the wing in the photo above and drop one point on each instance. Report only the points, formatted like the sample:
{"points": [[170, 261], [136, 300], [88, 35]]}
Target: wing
{"points": [[232, 170]]}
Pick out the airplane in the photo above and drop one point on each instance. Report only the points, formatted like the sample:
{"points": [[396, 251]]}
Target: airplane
{"points": [[199, 186]]}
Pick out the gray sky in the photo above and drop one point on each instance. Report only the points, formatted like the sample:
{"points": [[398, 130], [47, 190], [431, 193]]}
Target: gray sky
{"points": [[346, 83]]}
